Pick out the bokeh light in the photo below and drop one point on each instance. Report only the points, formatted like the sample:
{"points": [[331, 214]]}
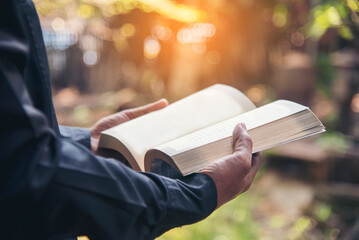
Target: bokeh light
{"points": [[58, 24], [90, 57], [170, 9], [152, 48], [196, 33], [257, 93], [85, 10], [174, 11], [355, 103], [297, 39], [280, 15], [162, 33], [127, 30]]}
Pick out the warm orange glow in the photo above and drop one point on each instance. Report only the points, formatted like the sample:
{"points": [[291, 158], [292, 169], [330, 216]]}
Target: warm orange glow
{"points": [[83, 238], [168, 8], [355, 103], [196, 33], [257, 93], [161, 32], [213, 57], [199, 48], [175, 11]]}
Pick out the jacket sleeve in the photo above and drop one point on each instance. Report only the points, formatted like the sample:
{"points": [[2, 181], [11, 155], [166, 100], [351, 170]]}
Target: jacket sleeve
{"points": [[78, 134], [54, 188]]}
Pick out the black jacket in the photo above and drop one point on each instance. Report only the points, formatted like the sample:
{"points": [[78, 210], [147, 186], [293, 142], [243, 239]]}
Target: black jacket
{"points": [[52, 186]]}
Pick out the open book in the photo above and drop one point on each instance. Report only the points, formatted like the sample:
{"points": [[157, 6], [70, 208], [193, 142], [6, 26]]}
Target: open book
{"points": [[197, 130]]}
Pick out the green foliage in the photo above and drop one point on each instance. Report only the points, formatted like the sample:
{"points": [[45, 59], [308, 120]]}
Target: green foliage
{"points": [[353, 5], [332, 14], [331, 120], [232, 221], [302, 224], [335, 141], [326, 15], [82, 115], [325, 73], [280, 15], [346, 33], [322, 212]]}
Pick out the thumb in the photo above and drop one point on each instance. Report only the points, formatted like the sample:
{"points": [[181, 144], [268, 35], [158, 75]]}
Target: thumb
{"points": [[139, 111], [242, 142]]}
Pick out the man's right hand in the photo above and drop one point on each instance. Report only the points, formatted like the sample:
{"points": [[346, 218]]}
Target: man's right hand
{"points": [[234, 174]]}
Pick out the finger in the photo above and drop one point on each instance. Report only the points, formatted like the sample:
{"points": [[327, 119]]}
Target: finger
{"points": [[242, 141], [256, 162], [136, 112]]}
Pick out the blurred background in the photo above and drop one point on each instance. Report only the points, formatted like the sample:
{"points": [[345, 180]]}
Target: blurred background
{"points": [[109, 55]]}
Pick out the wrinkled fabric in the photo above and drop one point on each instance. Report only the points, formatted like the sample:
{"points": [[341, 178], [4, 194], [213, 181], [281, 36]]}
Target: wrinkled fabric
{"points": [[78, 134], [51, 185]]}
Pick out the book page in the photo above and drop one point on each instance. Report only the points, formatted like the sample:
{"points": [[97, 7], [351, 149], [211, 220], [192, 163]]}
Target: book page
{"points": [[198, 158], [197, 111], [285, 130], [257, 117], [189, 155]]}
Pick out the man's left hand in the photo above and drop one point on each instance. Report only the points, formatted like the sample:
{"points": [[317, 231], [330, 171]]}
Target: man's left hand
{"points": [[121, 117]]}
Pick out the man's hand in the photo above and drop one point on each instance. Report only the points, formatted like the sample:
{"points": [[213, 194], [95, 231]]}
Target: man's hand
{"points": [[121, 117], [235, 173]]}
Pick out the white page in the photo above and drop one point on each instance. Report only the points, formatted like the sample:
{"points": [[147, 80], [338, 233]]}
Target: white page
{"points": [[257, 117], [196, 150], [199, 110]]}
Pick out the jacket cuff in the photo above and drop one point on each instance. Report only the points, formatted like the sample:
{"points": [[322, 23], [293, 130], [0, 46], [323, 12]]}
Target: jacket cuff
{"points": [[80, 135], [191, 199]]}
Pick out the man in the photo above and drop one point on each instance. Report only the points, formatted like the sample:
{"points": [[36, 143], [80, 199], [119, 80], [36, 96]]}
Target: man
{"points": [[53, 187]]}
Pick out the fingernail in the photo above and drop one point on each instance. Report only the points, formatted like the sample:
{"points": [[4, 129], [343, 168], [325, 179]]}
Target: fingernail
{"points": [[243, 126]]}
